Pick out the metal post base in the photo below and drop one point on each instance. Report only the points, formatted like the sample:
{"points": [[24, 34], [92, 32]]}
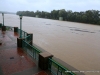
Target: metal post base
{"points": [[19, 42], [15, 29], [3, 28], [43, 60]]}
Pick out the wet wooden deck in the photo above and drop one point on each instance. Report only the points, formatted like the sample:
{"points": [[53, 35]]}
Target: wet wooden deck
{"points": [[13, 60]]}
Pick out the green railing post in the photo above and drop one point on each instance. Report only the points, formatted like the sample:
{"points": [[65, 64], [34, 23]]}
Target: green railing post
{"points": [[33, 52], [15, 29], [3, 18], [58, 70], [24, 34], [0, 25], [49, 64]]}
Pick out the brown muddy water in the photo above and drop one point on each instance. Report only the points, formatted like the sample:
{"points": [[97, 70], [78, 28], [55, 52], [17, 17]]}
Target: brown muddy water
{"points": [[77, 44]]}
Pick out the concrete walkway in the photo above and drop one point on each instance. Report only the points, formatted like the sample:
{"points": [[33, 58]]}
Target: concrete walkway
{"points": [[13, 60]]}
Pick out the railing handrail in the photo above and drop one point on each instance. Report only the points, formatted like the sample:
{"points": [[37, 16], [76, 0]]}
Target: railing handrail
{"points": [[27, 36], [62, 67], [33, 47], [57, 64], [22, 32]]}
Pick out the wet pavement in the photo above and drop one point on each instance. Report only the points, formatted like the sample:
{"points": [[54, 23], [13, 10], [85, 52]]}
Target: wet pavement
{"points": [[76, 44], [13, 60]]}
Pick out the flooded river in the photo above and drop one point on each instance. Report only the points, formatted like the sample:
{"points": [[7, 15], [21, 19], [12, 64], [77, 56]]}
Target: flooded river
{"points": [[77, 44]]}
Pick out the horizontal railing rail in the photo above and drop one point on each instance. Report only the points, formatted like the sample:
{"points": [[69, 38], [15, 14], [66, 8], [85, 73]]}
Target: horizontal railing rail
{"points": [[28, 38], [31, 50], [18, 31], [24, 34], [57, 69]]}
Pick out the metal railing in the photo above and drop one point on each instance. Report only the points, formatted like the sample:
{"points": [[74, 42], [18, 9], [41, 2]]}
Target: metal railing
{"points": [[19, 31], [9, 28], [24, 34], [28, 38], [31, 50], [54, 67], [57, 69]]}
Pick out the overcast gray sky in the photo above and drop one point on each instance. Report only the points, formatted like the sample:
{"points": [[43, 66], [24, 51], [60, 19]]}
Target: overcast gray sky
{"points": [[48, 5]]}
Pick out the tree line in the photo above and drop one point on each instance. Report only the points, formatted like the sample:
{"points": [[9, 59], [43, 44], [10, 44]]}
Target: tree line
{"points": [[89, 16]]}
